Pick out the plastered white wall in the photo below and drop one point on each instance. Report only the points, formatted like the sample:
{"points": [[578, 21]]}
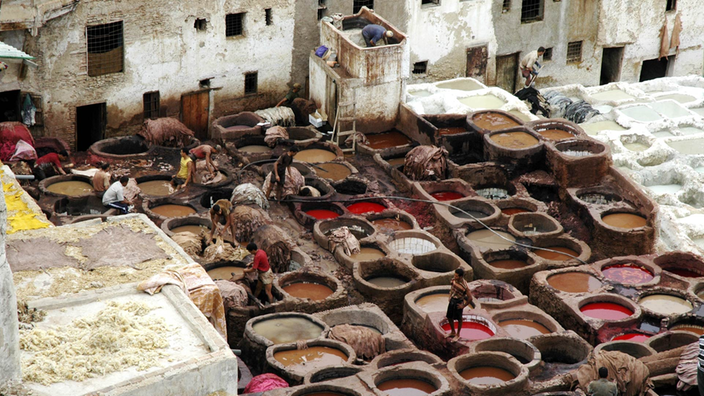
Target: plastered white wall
{"points": [[9, 330]]}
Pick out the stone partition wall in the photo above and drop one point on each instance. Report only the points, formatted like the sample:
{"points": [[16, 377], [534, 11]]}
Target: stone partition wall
{"points": [[9, 330]]}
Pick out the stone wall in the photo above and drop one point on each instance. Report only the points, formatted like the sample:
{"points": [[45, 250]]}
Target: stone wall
{"points": [[9, 333]]}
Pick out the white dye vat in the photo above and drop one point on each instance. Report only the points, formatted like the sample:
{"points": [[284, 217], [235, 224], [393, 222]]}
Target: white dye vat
{"points": [[699, 110], [642, 113], [671, 109], [482, 102], [635, 146], [691, 130], [665, 188], [412, 245], [612, 95], [691, 146], [699, 169], [462, 85], [420, 93], [663, 134], [678, 97], [596, 127]]}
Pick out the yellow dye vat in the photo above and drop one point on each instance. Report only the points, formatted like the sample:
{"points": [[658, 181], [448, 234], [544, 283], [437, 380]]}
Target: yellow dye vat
{"points": [[20, 216]]}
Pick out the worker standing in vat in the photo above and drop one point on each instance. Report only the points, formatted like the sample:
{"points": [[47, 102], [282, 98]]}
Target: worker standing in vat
{"points": [[221, 214], [278, 175], [185, 171], [205, 151], [530, 66], [114, 197], [460, 297], [101, 179], [602, 386], [261, 265], [290, 96], [373, 33]]}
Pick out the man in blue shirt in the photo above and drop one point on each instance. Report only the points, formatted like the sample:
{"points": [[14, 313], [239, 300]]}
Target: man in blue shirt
{"points": [[373, 33]]}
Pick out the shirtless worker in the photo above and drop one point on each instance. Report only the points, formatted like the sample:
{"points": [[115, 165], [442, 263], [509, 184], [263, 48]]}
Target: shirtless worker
{"points": [[205, 151], [373, 33], [101, 179], [529, 65], [221, 214], [278, 175]]}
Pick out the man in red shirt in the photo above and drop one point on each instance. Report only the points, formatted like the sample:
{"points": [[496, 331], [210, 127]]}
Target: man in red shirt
{"points": [[261, 265], [49, 165]]}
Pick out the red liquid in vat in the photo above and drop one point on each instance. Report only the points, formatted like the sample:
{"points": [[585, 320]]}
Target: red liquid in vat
{"points": [[627, 273], [684, 272], [322, 214], [606, 311], [446, 195], [635, 337], [471, 330], [513, 211], [366, 207]]}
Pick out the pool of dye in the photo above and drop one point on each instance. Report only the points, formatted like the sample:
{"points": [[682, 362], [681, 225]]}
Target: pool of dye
{"points": [[333, 171], [596, 127], [488, 239], [411, 245], [387, 139], [665, 304], [462, 85], [310, 290], [635, 146], [514, 140], [367, 254], [436, 302], [157, 188], [574, 282], [486, 375], [689, 146], [606, 311], [255, 149], [665, 188], [366, 207], [482, 102], [311, 357], [287, 329], [322, 214], [555, 134], [406, 387], [642, 113], [493, 121], [627, 274], [472, 331], [508, 264], [624, 220], [523, 328], [446, 195], [671, 109], [612, 95], [172, 210], [634, 337], [71, 188], [548, 255], [451, 131], [391, 224], [386, 281], [315, 155]]}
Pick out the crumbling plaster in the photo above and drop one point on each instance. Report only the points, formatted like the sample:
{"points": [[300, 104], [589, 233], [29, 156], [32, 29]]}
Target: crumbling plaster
{"points": [[9, 330]]}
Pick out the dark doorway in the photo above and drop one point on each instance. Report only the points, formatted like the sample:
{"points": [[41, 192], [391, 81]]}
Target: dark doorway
{"points": [[10, 106], [90, 125], [476, 62], [195, 107], [653, 69], [611, 65], [507, 71]]}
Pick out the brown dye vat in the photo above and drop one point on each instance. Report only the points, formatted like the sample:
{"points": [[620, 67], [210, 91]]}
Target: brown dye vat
{"points": [[698, 330], [514, 140], [195, 229], [574, 282], [368, 253], [72, 188], [406, 387], [171, 210], [556, 256], [333, 171], [489, 240], [315, 356], [157, 188], [288, 329], [451, 131], [523, 328], [315, 155], [312, 291], [486, 375], [508, 264], [390, 224], [493, 121], [436, 302], [470, 214], [225, 272], [624, 220], [396, 161], [386, 281], [254, 149], [555, 134], [513, 211], [388, 139]]}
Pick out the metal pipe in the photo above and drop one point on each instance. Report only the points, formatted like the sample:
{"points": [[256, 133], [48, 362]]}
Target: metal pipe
{"points": [[24, 177]]}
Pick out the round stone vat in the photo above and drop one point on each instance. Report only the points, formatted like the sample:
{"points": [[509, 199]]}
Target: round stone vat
{"points": [[693, 325], [331, 373], [325, 390], [681, 265], [388, 140], [293, 363], [664, 302], [391, 221], [252, 148], [160, 209], [483, 239], [628, 232], [521, 350], [635, 349], [556, 130], [79, 206], [414, 242], [443, 190], [578, 162], [303, 135], [487, 121], [512, 206], [524, 325], [234, 126], [400, 356], [495, 191], [304, 169], [351, 186], [474, 327], [623, 221], [319, 152], [385, 282], [367, 206], [439, 262], [629, 272], [573, 281], [309, 213], [596, 197], [671, 340], [565, 348], [534, 224], [155, 185], [359, 316], [489, 373], [225, 269], [399, 381], [511, 266], [518, 145], [475, 208], [222, 178], [121, 148], [67, 186], [195, 224], [210, 197], [308, 285], [494, 293], [334, 171], [609, 307], [432, 299], [360, 228], [369, 251], [562, 251], [321, 185]]}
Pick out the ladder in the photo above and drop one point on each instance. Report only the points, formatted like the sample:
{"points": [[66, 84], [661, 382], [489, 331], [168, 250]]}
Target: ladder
{"points": [[346, 114]]}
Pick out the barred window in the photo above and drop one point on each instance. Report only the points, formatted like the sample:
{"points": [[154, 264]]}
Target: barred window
{"points": [[250, 83], [151, 105], [506, 6], [105, 49], [358, 4], [234, 24], [574, 52], [420, 67], [531, 11]]}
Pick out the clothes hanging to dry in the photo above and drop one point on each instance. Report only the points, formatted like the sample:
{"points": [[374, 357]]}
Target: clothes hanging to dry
{"points": [[664, 41], [676, 30]]}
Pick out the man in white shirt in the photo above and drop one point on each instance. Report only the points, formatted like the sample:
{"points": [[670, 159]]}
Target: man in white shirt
{"points": [[529, 65], [114, 197]]}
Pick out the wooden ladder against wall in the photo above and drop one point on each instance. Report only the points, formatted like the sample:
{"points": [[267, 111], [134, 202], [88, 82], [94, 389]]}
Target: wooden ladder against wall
{"points": [[346, 114]]}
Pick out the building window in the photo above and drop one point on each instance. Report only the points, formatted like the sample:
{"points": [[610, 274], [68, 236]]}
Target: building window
{"points": [[531, 11], [200, 24], [507, 6], [574, 52], [151, 105], [671, 5], [547, 56], [250, 83], [429, 2], [267, 17], [234, 24], [105, 49], [420, 67], [321, 9], [358, 4]]}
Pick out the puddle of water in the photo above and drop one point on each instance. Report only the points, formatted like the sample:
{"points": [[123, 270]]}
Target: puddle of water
{"points": [[481, 102], [678, 97], [691, 146], [691, 130], [612, 95], [638, 147], [671, 109], [642, 113], [665, 188], [596, 127]]}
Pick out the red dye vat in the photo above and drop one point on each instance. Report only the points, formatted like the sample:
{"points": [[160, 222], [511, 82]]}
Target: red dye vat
{"points": [[627, 273], [684, 272], [635, 337], [606, 311], [513, 211], [471, 330], [446, 195], [322, 214], [366, 207]]}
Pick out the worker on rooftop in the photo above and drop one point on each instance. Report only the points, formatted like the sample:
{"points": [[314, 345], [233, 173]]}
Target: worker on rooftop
{"points": [[290, 96], [373, 33], [530, 66]]}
